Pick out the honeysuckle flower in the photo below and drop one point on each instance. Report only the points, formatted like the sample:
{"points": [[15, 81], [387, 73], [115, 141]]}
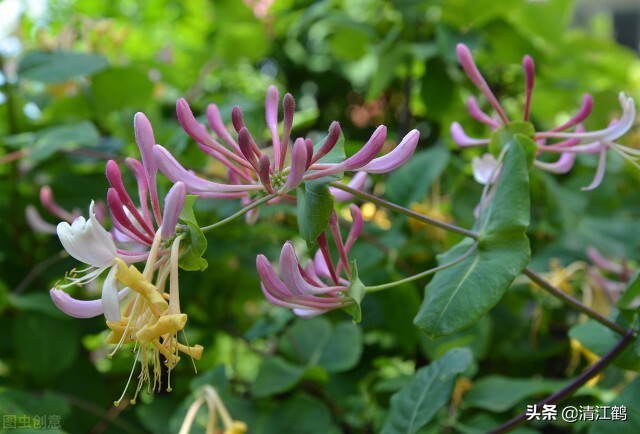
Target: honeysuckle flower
{"points": [[152, 318], [209, 396], [567, 143], [251, 170], [90, 243], [317, 288]]}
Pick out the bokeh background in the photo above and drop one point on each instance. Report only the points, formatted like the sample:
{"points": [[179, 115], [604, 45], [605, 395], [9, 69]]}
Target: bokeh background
{"points": [[73, 74]]}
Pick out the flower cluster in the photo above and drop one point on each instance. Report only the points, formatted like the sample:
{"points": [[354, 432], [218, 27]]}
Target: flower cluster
{"points": [[251, 171], [305, 290], [138, 307], [566, 143]]}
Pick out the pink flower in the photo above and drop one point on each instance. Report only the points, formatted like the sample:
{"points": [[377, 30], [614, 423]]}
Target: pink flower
{"points": [[317, 288], [250, 169], [567, 143]]}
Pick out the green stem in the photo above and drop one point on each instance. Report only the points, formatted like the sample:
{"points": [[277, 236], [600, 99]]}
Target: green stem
{"points": [[537, 279], [424, 273], [580, 380], [409, 213], [240, 213]]}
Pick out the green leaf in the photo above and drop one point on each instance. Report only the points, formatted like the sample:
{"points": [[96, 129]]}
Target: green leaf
{"points": [[40, 408], [196, 245], [356, 291], [438, 89], [117, 88], [36, 302], [411, 182], [497, 393], [316, 342], [506, 134], [630, 298], [476, 338], [315, 205], [276, 376], [65, 137], [315, 202], [300, 414], [600, 339], [187, 214], [630, 399], [155, 416], [45, 354], [59, 66], [195, 240], [429, 390], [460, 295], [388, 62]]}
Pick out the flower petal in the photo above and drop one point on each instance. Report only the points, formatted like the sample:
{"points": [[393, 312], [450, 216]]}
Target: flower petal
{"points": [[173, 204], [110, 300], [175, 172], [87, 241], [395, 158]]}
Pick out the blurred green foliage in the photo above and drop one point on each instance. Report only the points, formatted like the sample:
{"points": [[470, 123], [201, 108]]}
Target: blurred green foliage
{"points": [[67, 104]]}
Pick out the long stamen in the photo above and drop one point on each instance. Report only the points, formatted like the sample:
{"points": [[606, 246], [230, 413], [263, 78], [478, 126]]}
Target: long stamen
{"points": [[117, 403]]}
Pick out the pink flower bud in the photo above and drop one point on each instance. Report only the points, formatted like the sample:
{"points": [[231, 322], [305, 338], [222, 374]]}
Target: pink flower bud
{"points": [[173, 204], [395, 158]]}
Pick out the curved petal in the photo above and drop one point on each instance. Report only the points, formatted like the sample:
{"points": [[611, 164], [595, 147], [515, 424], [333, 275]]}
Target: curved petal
{"points": [[173, 204], [80, 308], [36, 222], [298, 165], [292, 277], [87, 241], [600, 170], [460, 137], [562, 166], [175, 172], [110, 300], [395, 158]]}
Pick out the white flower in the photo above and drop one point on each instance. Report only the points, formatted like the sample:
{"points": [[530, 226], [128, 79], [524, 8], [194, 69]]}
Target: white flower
{"points": [[483, 167], [88, 242]]}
